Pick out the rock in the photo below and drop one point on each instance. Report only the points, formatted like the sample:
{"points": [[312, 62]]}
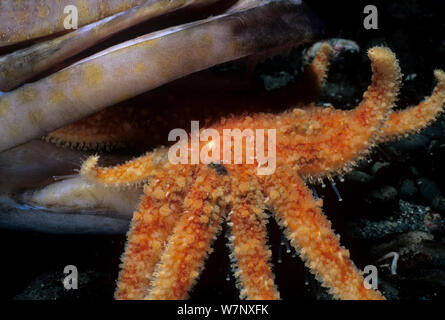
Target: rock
{"points": [[379, 167], [434, 222], [388, 290], [339, 94], [412, 143], [438, 204], [410, 217], [428, 189], [384, 194], [420, 264], [414, 248], [408, 188], [414, 171], [404, 244], [358, 177], [49, 286]]}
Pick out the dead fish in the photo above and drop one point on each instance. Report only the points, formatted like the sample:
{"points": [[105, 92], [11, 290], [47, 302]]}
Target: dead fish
{"points": [[25, 20], [22, 65], [147, 62]]}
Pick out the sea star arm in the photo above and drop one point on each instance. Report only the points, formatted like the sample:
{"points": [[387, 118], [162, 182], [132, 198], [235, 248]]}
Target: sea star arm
{"points": [[248, 242], [152, 224], [306, 88], [315, 73], [414, 119], [311, 235], [331, 139], [184, 255], [130, 173], [117, 126]]}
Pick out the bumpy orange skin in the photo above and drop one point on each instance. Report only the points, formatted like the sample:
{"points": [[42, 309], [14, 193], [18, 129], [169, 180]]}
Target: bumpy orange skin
{"points": [[251, 255], [310, 233], [107, 129], [183, 206], [152, 224], [190, 243], [414, 119]]}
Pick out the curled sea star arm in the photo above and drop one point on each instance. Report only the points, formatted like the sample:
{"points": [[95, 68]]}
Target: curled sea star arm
{"points": [[133, 172], [309, 231], [415, 118], [184, 255], [152, 224], [315, 73], [331, 139], [306, 88], [250, 252]]}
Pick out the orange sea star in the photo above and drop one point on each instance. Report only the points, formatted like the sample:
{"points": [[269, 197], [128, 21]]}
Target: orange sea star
{"points": [[183, 205]]}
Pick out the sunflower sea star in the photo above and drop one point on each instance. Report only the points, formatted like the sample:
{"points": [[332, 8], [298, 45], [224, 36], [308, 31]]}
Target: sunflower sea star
{"points": [[183, 206]]}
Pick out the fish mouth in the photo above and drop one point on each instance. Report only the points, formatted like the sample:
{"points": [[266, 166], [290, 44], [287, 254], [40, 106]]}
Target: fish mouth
{"points": [[41, 191]]}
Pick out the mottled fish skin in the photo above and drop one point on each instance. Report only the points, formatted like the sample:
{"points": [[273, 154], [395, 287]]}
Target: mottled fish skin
{"points": [[19, 66], [22, 20], [142, 64]]}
